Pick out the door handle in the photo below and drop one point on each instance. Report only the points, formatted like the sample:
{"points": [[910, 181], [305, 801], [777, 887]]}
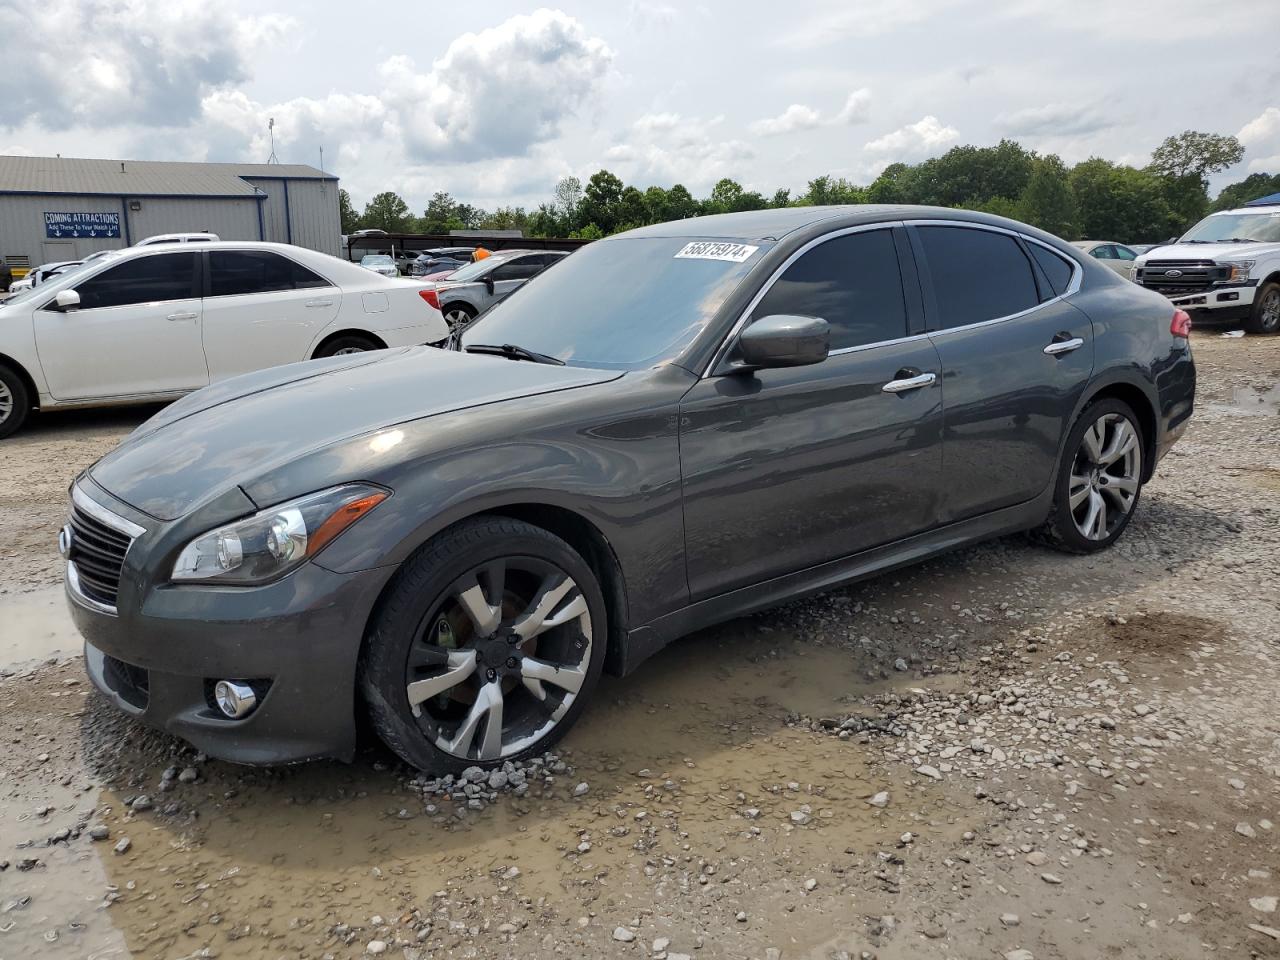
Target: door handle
{"points": [[319, 303], [182, 316], [910, 383], [1063, 346]]}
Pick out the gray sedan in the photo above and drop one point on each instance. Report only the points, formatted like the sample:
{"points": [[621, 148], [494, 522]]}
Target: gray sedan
{"points": [[1115, 256], [472, 289], [674, 427]]}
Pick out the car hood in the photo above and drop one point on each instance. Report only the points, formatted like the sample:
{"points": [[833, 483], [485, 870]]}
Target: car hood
{"points": [[228, 434], [1211, 251]]}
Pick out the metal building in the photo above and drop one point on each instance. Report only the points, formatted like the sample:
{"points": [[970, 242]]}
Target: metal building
{"points": [[56, 208]]}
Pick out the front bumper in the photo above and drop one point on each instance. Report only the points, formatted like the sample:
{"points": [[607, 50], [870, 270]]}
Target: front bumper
{"points": [[1220, 303], [297, 640]]}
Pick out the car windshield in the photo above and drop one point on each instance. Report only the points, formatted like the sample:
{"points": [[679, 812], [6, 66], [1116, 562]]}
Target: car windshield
{"points": [[1262, 227], [375, 259], [625, 304], [474, 271], [63, 280]]}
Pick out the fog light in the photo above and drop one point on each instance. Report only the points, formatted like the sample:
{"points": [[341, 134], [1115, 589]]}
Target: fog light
{"points": [[234, 699]]}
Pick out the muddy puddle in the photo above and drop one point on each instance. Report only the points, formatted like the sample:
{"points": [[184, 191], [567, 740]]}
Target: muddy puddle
{"points": [[697, 784], [1251, 402], [35, 626]]}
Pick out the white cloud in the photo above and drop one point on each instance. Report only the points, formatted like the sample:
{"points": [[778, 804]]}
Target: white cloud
{"points": [[1261, 138], [669, 148], [857, 107], [1053, 120], [795, 117], [497, 92], [845, 21], [100, 63], [914, 141], [798, 116]]}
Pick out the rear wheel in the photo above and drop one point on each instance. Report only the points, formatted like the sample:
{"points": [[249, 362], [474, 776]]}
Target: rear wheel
{"points": [[458, 314], [1265, 315], [348, 343], [15, 403], [488, 645], [1099, 480]]}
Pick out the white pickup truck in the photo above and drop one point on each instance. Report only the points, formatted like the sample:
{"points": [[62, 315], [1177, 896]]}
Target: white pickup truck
{"points": [[1226, 267]]}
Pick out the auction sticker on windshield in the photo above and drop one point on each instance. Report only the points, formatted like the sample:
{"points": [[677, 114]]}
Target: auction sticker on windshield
{"points": [[711, 250]]}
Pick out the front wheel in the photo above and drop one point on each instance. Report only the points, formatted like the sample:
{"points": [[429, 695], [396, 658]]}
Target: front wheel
{"points": [[486, 648], [15, 404], [1099, 480], [1265, 315], [458, 315]]}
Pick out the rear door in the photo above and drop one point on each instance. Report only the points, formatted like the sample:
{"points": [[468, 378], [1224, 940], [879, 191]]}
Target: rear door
{"points": [[262, 309], [786, 469], [136, 332], [1015, 359]]}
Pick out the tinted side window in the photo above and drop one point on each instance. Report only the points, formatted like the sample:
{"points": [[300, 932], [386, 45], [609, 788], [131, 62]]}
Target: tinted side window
{"points": [[1124, 253], [168, 276], [516, 270], [852, 282], [977, 275], [234, 272], [1057, 269]]}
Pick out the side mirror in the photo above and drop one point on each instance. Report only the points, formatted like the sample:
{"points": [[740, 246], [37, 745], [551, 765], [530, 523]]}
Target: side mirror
{"points": [[488, 284], [65, 300], [782, 340]]}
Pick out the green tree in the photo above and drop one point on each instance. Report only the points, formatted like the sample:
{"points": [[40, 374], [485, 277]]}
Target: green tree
{"points": [[441, 215], [1195, 154], [1120, 203], [826, 190], [680, 203], [347, 215], [970, 176], [567, 199], [1047, 201], [505, 218], [589, 232], [656, 206], [1250, 188], [729, 196], [600, 200], [894, 185], [631, 209], [781, 198], [388, 212]]}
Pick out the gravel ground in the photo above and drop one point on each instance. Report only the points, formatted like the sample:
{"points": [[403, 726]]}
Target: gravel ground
{"points": [[1003, 753]]}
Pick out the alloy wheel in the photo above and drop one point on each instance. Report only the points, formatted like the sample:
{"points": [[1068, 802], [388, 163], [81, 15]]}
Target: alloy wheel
{"points": [[456, 318], [500, 660], [347, 351], [1270, 312], [1105, 476], [6, 402]]}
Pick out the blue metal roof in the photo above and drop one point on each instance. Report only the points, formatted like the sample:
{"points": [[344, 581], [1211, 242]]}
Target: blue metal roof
{"points": [[1268, 201]]}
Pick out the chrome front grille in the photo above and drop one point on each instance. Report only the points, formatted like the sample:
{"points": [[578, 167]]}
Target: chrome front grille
{"points": [[95, 542]]}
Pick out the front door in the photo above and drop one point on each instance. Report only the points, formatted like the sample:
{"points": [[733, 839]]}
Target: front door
{"points": [[789, 468], [1015, 359], [136, 332]]}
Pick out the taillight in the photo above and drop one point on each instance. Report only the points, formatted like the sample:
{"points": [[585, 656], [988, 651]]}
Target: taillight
{"points": [[433, 298], [1180, 325]]}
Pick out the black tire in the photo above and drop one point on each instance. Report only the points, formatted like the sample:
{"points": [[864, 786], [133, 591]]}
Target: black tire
{"points": [[1061, 529], [15, 402], [424, 595], [348, 343], [1265, 316], [463, 313]]}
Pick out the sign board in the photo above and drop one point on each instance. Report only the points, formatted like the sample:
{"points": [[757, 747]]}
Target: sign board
{"points": [[70, 225]]}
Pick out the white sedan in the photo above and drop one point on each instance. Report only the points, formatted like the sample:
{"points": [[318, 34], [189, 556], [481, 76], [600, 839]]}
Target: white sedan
{"points": [[153, 323]]}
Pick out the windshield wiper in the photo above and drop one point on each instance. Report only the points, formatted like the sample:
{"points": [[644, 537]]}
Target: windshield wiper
{"points": [[1237, 240], [512, 352]]}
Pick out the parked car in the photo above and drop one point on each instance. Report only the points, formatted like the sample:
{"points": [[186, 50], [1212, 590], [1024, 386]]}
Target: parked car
{"points": [[677, 425], [1225, 268], [473, 288], [1114, 255], [38, 275], [178, 238], [382, 263], [440, 259], [6, 276], [156, 322], [439, 275]]}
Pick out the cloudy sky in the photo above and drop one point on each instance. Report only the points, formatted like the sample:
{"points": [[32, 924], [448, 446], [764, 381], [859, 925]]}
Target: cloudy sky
{"points": [[494, 101]]}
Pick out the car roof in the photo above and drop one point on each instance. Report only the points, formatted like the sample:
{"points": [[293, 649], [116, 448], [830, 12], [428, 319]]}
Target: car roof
{"points": [[1260, 208], [776, 223]]}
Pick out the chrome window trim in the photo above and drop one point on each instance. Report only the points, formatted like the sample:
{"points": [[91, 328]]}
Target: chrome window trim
{"points": [[1073, 285], [105, 516], [727, 343]]}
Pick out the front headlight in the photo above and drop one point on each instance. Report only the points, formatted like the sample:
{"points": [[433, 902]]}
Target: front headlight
{"points": [[1239, 269], [276, 541]]}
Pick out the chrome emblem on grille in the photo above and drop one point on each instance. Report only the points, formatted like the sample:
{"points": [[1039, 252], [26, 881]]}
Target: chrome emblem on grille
{"points": [[1173, 273]]}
